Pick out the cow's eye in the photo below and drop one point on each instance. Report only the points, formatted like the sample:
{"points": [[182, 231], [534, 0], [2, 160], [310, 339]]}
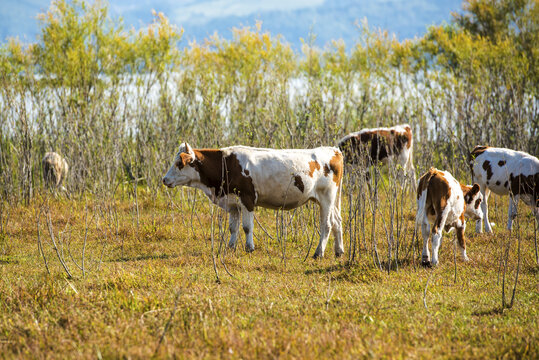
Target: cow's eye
{"points": [[179, 164]]}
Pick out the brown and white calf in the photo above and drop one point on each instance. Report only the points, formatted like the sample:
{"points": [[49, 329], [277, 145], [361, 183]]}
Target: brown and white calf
{"points": [[388, 145], [445, 202], [506, 172], [55, 170], [240, 178]]}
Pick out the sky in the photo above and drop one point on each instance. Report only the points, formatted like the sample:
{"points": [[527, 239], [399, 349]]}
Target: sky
{"points": [[293, 19]]}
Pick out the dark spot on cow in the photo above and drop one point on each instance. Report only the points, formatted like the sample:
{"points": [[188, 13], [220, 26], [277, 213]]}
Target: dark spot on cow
{"points": [[458, 197], [246, 172], [488, 169], [326, 170], [298, 182], [498, 183], [477, 203], [505, 184], [246, 230], [524, 184], [501, 163]]}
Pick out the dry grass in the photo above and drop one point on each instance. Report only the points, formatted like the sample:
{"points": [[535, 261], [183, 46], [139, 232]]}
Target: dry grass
{"points": [[269, 308]]}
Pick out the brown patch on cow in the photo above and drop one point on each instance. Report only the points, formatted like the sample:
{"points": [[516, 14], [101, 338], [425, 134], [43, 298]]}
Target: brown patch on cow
{"points": [[313, 165], [522, 184], [224, 175], [336, 164], [488, 169], [246, 172], [438, 192], [408, 135], [375, 145], [469, 192], [478, 150], [501, 163], [299, 183]]}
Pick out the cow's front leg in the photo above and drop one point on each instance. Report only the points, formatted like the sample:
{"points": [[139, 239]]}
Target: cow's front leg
{"points": [[233, 226], [513, 210], [462, 242], [248, 226], [484, 207], [325, 228], [425, 231]]}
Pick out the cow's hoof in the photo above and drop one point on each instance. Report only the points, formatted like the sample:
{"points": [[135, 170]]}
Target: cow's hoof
{"points": [[249, 249], [339, 253], [426, 263], [231, 246], [317, 256]]}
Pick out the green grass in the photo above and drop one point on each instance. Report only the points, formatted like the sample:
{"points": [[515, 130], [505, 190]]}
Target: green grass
{"points": [[269, 308]]}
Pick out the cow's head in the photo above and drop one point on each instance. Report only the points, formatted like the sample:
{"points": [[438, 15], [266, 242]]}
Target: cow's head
{"points": [[182, 171], [473, 199]]}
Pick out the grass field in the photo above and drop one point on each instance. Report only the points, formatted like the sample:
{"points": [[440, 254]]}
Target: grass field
{"points": [[150, 289]]}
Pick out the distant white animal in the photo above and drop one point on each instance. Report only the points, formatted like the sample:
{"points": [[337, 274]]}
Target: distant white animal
{"points": [[239, 178], [393, 144], [505, 171], [55, 170], [444, 201]]}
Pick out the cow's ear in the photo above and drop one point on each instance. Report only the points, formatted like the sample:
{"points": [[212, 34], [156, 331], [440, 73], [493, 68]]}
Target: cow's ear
{"points": [[189, 150], [471, 193], [187, 158]]}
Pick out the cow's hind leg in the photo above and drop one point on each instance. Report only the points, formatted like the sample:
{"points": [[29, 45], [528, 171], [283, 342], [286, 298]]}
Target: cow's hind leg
{"points": [[325, 228], [437, 229], [336, 222], [248, 225], [233, 226]]}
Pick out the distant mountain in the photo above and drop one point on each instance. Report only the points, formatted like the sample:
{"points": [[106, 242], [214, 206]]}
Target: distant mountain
{"points": [[293, 19]]}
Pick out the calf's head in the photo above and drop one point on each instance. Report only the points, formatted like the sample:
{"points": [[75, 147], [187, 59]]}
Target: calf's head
{"points": [[473, 199], [181, 171]]}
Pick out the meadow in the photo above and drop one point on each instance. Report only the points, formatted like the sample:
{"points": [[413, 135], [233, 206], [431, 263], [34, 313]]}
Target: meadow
{"points": [[120, 267], [152, 289]]}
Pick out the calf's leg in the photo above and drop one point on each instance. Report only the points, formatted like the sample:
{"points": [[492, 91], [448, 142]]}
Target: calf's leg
{"points": [[462, 242], [437, 229]]}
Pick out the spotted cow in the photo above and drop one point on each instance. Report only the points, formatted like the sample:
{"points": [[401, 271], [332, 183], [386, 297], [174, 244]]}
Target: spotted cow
{"points": [[55, 170], [445, 202], [388, 145], [240, 178], [504, 172]]}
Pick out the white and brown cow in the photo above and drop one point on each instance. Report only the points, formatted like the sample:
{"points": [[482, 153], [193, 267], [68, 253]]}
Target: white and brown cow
{"points": [[444, 201], [239, 178], [505, 171], [55, 170], [388, 145]]}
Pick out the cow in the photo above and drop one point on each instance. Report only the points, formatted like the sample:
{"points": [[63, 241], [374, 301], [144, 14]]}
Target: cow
{"points": [[505, 172], [388, 145], [55, 171], [240, 178], [444, 201]]}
